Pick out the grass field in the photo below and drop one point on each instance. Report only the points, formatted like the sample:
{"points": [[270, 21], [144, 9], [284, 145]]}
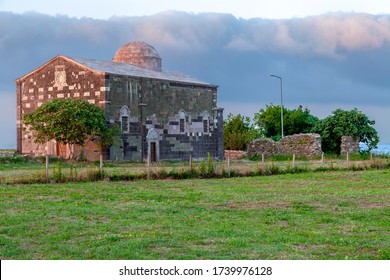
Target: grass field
{"points": [[321, 215]]}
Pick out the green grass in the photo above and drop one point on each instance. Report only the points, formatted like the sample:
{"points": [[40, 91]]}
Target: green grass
{"points": [[323, 215]]}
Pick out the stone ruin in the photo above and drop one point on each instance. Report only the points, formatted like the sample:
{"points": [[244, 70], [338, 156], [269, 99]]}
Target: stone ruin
{"points": [[234, 154], [349, 145], [261, 146], [308, 145]]}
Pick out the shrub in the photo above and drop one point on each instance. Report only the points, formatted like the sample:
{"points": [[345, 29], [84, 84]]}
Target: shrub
{"points": [[58, 176], [210, 165]]}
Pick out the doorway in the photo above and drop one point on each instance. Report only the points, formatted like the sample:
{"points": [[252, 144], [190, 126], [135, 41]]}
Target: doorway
{"points": [[153, 152]]}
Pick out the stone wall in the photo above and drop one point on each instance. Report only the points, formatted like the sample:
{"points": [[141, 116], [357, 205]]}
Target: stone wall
{"points": [[7, 153], [298, 144], [349, 145], [262, 145], [234, 154]]}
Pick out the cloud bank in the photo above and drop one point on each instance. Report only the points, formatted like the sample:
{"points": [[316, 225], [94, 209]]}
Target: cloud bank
{"points": [[339, 60]]}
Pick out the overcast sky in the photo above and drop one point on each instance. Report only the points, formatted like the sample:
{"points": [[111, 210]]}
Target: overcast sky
{"points": [[271, 9], [331, 54]]}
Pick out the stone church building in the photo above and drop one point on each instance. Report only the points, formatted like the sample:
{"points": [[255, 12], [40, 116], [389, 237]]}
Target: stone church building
{"points": [[167, 114]]}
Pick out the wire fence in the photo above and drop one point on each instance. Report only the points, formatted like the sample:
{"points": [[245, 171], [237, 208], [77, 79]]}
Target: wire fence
{"points": [[59, 171]]}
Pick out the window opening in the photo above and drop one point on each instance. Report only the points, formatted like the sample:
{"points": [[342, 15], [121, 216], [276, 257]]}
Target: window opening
{"points": [[182, 121], [205, 126], [125, 113], [206, 122], [181, 125]]}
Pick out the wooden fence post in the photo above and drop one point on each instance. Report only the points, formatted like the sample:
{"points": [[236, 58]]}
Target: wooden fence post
{"points": [[47, 167], [228, 164], [148, 164], [262, 160], [190, 163], [101, 165], [293, 162]]}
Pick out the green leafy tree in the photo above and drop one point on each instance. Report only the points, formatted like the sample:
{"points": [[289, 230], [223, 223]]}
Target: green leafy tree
{"points": [[346, 123], [107, 136], [69, 122], [294, 121], [237, 132]]}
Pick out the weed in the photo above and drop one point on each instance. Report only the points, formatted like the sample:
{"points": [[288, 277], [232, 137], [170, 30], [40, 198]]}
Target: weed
{"points": [[210, 165], [385, 254], [273, 169], [73, 173], [58, 176], [202, 168], [95, 175]]}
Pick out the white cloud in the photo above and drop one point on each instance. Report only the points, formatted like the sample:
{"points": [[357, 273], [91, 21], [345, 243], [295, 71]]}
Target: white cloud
{"points": [[271, 9]]}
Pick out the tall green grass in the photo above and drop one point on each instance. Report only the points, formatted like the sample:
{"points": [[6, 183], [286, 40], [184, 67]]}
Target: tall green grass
{"points": [[17, 169]]}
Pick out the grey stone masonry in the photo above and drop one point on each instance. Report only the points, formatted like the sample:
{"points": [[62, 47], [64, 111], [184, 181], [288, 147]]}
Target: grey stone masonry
{"points": [[262, 146], [299, 144], [349, 145]]}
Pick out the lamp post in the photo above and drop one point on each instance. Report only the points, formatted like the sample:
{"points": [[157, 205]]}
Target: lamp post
{"points": [[281, 100]]}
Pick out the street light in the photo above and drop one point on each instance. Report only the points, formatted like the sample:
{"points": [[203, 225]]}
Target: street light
{"points": [[281, 101]]}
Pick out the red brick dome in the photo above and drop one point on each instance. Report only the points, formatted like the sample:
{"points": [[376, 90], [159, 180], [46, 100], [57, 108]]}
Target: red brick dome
{"points": [[139, 54]]}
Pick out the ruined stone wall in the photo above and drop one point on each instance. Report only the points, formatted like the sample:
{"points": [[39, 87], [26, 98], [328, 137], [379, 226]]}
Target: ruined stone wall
{"points": [[262, 146], [349, 145], [298, 144], [232, 154]]}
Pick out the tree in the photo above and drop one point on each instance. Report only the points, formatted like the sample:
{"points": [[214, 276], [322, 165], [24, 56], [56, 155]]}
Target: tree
{"points": [[346, 123], [69, 122], [107, 136], [294, 121], [238, 132]]}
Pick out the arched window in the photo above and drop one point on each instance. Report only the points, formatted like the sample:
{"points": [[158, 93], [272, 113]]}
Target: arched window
{"points": [[206, 122], [124, 118], [182, 121]]}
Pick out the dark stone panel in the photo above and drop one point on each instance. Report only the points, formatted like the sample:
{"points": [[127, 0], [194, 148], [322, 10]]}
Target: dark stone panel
{"points": [[133, 148]]}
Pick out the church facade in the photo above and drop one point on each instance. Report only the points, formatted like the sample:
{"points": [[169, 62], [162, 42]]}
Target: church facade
{"points": [[166, 115]]}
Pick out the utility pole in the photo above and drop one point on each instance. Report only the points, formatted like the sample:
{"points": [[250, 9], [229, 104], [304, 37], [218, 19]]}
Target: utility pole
{"points": [[281, 101]]}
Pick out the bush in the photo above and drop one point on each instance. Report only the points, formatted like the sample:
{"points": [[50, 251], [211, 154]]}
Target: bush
{"points": [[58, 176], [210, 165]]}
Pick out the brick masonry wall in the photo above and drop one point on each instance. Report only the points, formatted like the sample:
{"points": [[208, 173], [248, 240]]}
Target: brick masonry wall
{"points": [[299, 144]]}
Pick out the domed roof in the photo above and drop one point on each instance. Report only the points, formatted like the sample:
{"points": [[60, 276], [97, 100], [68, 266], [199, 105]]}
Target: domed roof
{"points": [[139, 54]]}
